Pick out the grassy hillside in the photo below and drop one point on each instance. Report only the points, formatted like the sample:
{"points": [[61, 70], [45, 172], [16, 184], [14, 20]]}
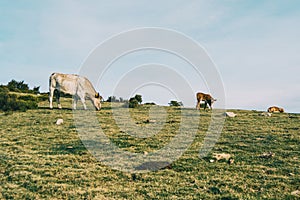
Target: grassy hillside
{"points": [[40, 160]]}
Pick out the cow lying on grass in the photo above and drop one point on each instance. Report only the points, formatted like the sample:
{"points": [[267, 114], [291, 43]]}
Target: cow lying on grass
{"points": [[273, 109], [207, 98], [78, 86]]}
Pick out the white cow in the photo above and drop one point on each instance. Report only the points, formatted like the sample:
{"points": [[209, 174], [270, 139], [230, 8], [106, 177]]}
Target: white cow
{"points": [[78, 86]]}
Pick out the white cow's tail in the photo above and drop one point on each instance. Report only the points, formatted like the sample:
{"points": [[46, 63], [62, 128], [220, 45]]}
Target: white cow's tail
{"points": [[52, 80]]}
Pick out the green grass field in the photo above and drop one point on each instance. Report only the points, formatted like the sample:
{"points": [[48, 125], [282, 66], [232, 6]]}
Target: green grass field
{"points": [[40, 160]]}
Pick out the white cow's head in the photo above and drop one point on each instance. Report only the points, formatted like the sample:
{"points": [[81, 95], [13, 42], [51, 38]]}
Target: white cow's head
{"points": [[97, 101]]}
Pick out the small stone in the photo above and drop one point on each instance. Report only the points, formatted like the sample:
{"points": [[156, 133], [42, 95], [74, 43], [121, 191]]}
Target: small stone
{"points": [[296, 193], [229, 114], [59, 122], [266, 114], [230, 161], [221, 156]]}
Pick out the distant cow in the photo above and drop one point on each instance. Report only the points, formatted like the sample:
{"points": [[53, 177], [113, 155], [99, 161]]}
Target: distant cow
{"points": [[207, 98], [78, 86], [275, 109]]}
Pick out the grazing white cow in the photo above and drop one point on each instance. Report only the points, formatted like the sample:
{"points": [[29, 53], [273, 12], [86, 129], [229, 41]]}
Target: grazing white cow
{"points": [[78, 86]]}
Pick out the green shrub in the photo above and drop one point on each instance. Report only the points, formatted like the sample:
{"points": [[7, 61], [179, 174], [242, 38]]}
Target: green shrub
{"points": [[150, 103], [115, 99], [4, 89], [133, 103], [138, 97], [27, 98], [111, 99], [42, 97], [11, 102], [17, 86], [21, 86], [175, 103]]}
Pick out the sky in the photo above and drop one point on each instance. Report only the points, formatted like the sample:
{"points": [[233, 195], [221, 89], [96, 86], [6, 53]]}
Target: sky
{"points": [[254, 45]]}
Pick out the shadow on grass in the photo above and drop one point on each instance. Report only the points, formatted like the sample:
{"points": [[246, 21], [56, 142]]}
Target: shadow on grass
{"points": [[154, 166], [107, 108], [76, 147], [47, 108], [70, 109]]}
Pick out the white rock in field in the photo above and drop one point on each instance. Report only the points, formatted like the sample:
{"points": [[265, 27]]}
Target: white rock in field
{"points": [[267, 155], [296, 193], [230, 161], [59, 122], [220, 156], [230, 114], [266, 114]]}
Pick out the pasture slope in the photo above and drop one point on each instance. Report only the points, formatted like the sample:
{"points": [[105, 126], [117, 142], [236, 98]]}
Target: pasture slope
{"points": [[40, 160]]}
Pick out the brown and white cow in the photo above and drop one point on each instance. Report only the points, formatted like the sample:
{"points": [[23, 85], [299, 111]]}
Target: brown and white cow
{"points": [[207, 98], [273, 109], [78, 86]]}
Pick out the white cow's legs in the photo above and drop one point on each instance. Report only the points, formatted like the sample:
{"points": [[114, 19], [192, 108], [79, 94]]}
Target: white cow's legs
{"points": [[58, 99], [83, 102], [82, 99], [51, 92], [75, 99]]}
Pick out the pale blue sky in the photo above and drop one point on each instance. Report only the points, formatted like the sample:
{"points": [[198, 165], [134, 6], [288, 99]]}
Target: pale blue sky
{"points": [[255, 44]]}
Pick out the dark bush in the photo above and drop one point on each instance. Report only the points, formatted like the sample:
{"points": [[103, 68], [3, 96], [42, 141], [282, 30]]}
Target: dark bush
{"points": [[17, 86], [36, 90], [150, 103], [21, 86], [122, 100], [115, 99], [10, 102], [27, 98], [138, 97], [29, 104], [3, 100], [111, 99], [4, 89], [43, 97], [175, 103], [133, 103]]}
